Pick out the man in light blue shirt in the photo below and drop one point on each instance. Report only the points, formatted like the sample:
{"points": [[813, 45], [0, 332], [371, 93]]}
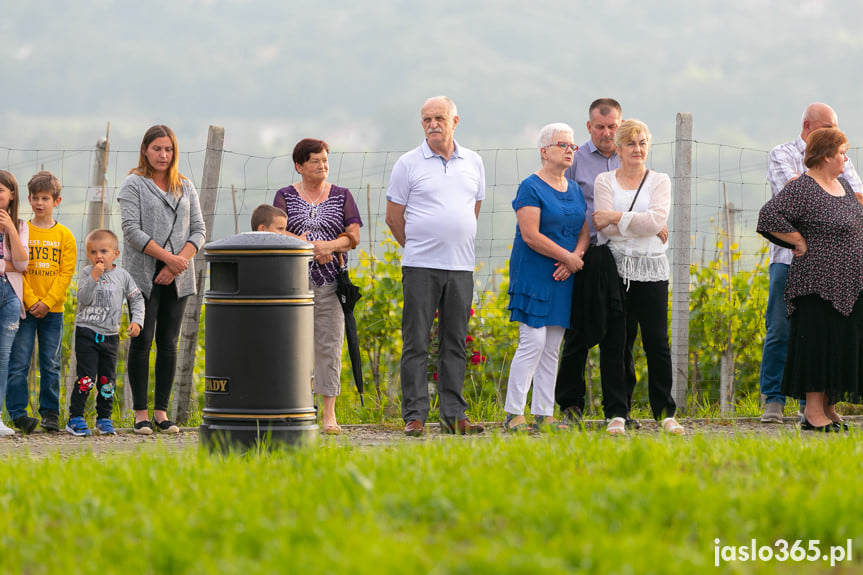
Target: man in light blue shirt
{"points": [[433, 202], [597, 155]]}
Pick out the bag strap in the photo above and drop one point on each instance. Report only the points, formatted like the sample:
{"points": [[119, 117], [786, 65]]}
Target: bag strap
{"points": [[632, 205]]}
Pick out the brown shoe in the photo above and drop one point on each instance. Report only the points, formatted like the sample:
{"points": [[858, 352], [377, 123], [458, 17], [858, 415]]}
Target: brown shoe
{"points": [[461, 427], [414, 428]]}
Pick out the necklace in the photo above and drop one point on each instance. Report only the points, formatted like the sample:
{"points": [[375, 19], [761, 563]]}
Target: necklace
{"points": [[627, 181], [555, 181], [314, 203]]}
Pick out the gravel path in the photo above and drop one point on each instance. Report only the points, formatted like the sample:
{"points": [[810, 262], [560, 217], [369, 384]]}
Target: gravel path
{"points": [[41, 444]]}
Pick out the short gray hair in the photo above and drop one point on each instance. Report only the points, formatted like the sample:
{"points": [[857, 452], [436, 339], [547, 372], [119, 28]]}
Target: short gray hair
{"points": [[453, 111], [548, 132]]}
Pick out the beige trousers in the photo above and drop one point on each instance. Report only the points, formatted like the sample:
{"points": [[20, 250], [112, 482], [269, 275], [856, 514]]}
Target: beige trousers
{"points": [[329, 335]]}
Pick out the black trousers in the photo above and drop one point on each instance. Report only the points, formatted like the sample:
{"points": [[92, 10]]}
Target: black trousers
{"points": [[163, 318], [646, 306], [569, 390], [447, 293], [96, 357]]}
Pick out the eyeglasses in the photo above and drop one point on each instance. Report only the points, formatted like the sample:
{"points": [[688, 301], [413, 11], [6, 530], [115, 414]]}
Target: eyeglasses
{"points": [[564, 146]]}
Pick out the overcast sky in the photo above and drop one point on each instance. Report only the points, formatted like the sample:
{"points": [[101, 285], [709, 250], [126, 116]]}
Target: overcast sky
{"points": [[355, 73]]}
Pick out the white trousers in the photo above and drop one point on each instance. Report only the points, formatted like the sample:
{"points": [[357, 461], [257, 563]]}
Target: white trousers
{"points": [[535, 359]]}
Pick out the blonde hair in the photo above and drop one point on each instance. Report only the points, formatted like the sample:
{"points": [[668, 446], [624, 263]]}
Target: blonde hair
{"points": [[628, 130], [102, 234]]}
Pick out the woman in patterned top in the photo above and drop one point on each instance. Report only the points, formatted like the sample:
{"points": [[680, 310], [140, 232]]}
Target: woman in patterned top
{"points": [[817, 216], [327, 216]]}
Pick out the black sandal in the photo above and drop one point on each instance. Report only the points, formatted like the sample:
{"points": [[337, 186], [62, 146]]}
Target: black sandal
{"points": [[143, 428], [166, 426]]}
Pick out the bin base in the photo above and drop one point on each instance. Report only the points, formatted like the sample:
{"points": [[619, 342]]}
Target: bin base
{"points": [[241, 435]]}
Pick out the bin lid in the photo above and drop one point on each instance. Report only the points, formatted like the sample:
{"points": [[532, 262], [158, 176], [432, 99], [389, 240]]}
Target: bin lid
{"points": [[255, 241]]}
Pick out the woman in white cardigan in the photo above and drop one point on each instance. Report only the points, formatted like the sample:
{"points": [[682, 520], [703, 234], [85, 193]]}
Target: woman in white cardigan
{"points": [[163, 229], [632, 205]]}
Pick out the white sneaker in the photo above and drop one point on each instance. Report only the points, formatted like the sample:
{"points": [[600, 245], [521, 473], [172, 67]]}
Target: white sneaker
{"points": [[5, 430]]}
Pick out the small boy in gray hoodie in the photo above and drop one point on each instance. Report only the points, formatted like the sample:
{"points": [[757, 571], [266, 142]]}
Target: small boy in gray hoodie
{"points": [[102, 288]]}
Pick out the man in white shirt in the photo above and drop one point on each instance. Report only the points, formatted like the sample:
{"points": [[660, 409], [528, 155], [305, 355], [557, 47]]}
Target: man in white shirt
{"points": [[433, 202], [784, 164]]}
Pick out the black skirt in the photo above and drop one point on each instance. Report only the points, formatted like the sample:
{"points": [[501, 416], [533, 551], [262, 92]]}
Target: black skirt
{"points": [[825, 351]]}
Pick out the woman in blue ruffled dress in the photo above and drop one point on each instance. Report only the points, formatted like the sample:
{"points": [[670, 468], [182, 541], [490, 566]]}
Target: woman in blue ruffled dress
{"points": [[551, 237]]}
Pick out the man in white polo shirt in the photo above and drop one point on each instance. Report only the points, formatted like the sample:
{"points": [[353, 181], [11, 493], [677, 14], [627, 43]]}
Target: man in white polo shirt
{"points": [[433, 202]]}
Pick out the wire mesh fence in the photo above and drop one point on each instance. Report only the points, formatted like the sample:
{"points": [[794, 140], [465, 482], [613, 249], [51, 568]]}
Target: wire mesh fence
{"points": [[728, 188], [722, 175]]}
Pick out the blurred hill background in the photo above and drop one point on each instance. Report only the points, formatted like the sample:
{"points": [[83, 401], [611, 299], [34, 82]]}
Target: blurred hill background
{"points": [[355, 73]]}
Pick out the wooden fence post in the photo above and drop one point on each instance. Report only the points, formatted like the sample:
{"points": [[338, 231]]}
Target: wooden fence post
{"points": [[185, 387], [681, 239], [98, 211]]}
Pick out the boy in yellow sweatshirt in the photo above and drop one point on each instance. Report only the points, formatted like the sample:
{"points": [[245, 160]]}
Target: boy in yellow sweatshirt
{"points": [[52, 264]]}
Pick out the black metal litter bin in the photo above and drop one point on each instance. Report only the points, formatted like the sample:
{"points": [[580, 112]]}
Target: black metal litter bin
{"points": [[259, 339]]}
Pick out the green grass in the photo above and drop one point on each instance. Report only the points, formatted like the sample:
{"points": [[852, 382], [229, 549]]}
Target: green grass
{"points": [[566, 503]]}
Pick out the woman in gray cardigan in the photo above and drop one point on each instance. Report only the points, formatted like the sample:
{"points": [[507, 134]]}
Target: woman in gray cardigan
{"points": [[163, 229]]}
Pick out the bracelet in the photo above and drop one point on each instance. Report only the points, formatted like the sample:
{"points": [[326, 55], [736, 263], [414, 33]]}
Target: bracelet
{"points": [[350, 239]]}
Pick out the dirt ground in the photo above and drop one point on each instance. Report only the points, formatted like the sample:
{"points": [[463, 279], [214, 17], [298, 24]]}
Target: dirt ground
{"points": [[42, 444]]}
